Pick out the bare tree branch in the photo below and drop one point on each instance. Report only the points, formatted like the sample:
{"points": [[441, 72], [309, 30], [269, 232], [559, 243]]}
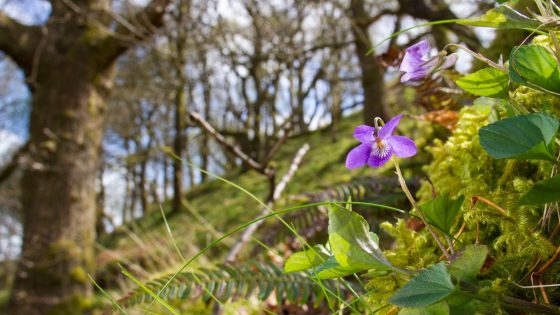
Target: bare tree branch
{"points": [[18, 41], [138, 26], [247, 160]]}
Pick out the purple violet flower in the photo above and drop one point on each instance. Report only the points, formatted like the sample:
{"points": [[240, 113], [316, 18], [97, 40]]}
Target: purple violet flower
{"points": [[416, 63], [379, 145]]}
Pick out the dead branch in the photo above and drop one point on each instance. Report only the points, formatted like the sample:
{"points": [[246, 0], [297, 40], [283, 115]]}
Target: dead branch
{"points": [[247, 160]]}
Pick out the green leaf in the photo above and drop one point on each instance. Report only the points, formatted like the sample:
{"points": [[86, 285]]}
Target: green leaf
{"points": [[428, 287], [436, 309], [534, 65], [351, 241], [306, 259], [503, 17], [467, 265], [332, 269], [442, 211], [520, 137], [489, 82], [542, 192], [321, 261], [463, 303]]}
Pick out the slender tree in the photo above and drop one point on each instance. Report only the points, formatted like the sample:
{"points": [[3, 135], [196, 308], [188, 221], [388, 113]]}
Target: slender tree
{"points": [[69, 63], [373, 84]]}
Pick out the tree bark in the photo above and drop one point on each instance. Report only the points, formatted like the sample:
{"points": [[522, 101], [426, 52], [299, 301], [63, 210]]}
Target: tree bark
{"points": [[58, 194], [183, 12], [179, 140], [69, 65], [373, 85]]}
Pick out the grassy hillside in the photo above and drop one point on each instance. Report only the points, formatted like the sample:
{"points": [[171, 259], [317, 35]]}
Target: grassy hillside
{"points": [[216, 207]]}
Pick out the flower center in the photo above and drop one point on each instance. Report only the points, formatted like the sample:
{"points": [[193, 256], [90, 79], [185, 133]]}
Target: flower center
{"points": [[379, 148]]}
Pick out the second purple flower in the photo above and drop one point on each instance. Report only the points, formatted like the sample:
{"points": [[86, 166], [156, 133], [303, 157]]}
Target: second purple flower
{"points": [[416, 62]]}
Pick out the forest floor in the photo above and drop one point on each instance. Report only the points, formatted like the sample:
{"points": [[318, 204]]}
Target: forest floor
{"points": [[216, 207]]}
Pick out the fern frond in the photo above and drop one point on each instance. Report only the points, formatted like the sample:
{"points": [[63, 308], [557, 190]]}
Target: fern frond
{"points": [[228, 283]]}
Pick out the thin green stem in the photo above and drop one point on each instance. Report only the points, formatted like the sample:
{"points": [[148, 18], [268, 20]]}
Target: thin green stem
{"points": [[420, 212]]}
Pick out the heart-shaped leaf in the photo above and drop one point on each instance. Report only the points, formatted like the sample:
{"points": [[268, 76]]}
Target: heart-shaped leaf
{"points": [[467, 266], [352, 243], [489, 82], [520, 137], [535, 66], [332, 269], [306, 259], [542, 192], [428, 287], [436, 309], [442, 211]]}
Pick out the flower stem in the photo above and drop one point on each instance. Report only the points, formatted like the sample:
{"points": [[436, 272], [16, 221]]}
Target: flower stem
{"points": [[406, 191], [478, 56]]}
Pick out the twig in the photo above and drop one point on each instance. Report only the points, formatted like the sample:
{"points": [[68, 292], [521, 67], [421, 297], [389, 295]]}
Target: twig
{"points": [[275, 196], [278, 143], [475, 199], [247, 160]]}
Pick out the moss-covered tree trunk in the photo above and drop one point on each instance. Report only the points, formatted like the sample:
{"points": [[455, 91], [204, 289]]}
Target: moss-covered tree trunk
{"points": [[69, 64], [58, 188]]}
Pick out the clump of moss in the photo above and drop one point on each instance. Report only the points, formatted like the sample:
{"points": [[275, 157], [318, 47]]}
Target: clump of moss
{"points": [[460, 166]]}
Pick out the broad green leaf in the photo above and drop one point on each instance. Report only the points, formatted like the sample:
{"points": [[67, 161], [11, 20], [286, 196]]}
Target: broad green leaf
{"points": [[436, 309], [463, 303], [442, 211], [547, 124], [428, 287], [502, 17], [332, 269], [468, 264], [489, 82], [321, 263], [351, 241], [542, 192], [307, 259], [485, 104], [520, 137], [534, 65]]}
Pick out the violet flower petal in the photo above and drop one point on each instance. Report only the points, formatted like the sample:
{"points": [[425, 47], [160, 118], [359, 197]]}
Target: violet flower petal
{"points": [[364, 133], [377, 161], [389, 128], [449, 61], [415, 56], [402, 146], [358, 156], [413, 76]]}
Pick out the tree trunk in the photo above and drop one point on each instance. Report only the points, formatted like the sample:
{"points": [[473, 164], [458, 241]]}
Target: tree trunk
{"points": [[142, 184], [179, 141], [69, 65], [373, 85], [58, 188]]}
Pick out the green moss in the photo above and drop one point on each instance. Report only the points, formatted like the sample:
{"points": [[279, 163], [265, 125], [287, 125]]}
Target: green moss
{"points": [[78, 274], [461, 167]]}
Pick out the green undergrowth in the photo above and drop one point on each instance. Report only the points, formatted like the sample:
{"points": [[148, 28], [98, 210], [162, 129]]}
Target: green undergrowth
{"points": [[216, 207]]}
